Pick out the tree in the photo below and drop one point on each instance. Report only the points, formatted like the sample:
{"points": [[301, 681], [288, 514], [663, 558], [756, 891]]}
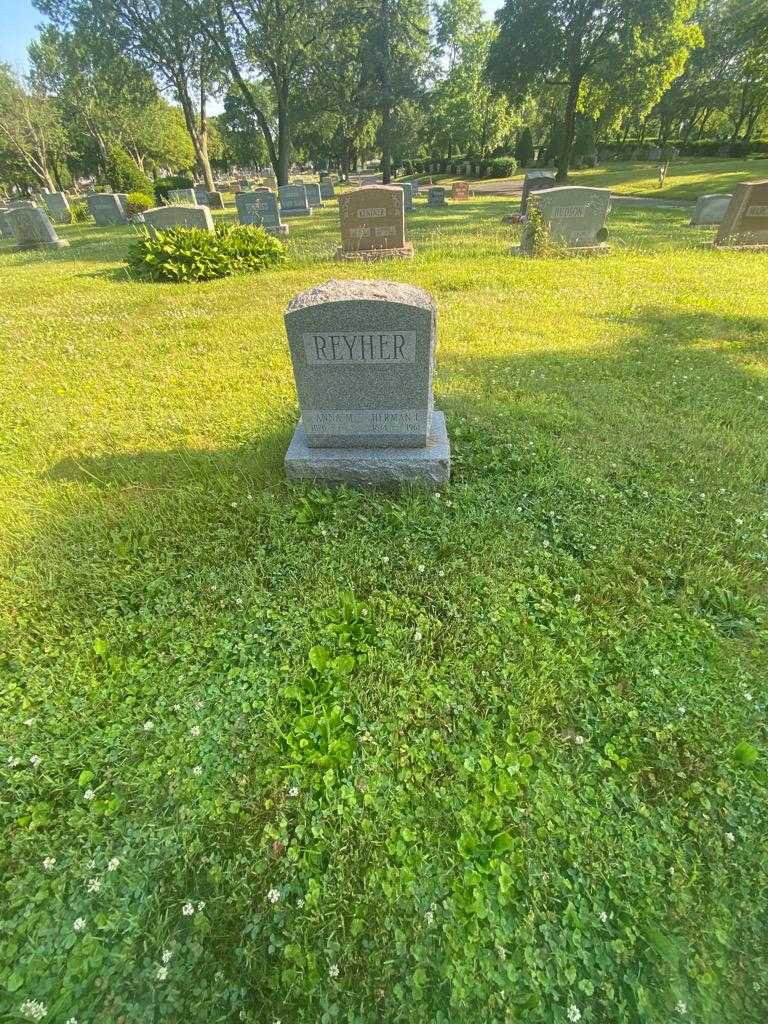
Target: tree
{"points": [[569, 43], [242, 137], [30, 129], [395, 55], [166, 37], [524, 148]]}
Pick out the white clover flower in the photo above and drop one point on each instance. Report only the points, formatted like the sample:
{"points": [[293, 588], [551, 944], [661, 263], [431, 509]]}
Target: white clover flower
{"points": [[747, 696], [79, 924], [421, 567], [88, 794], [195, 730], [417, 635], [49, 864], [293, 791], [681, 1008], [577, 598], [161, 973], [167, 956], [148, 726], [72, 1020], [273, 895], [201, 905], [573, 1014], [501, 953], [188, 909], [14, 762], [35, 761], [385, 559], [29, 721], [114, 864], [300, 902], [197, 770], [730, 837], [94, 884], [603, 917], [333, 971], [579, 741], [429, 917], [33, 1010]]}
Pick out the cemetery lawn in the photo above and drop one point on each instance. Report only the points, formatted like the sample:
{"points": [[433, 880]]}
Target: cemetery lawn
{"points": [[518, 776]]}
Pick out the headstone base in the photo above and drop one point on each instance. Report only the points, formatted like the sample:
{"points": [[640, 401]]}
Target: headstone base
{"points": [[374, 255], [601, 249], [25, 246], [737, 246], [373, 467]]}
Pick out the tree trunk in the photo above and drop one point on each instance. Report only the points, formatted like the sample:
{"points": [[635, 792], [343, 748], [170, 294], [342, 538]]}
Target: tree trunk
{"points": [[569, 126], [386, 94], [199, 136], [283, 167]]}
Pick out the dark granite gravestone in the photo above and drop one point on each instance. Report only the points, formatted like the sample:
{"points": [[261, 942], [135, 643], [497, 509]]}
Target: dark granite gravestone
{"points": [[535, 181], [745, 224], [260, 207]]}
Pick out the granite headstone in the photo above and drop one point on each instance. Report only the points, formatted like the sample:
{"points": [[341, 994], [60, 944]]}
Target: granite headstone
{"points": [[535, 181], [106, 208], [745, 223], [710, 209], [460, 190], [187, 196], [372, 222], [58, 207], [314, 197], [293, 201], [436, 196], [575, 215], [162, 218], [260, 207], [33, 230]]}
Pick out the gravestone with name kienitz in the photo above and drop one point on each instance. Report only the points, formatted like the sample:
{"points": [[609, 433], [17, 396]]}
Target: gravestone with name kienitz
{"points": [[293, 201], [58, 207], [372, 221], [745, 224], [460, 190], [163, 218], [535, 181], [363, 360], [710, 209], [33, 230], [261, 208], [106, 208], [574, 216]]}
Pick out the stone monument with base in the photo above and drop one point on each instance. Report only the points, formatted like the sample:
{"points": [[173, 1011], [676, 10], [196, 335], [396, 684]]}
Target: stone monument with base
{"points": [[574, 216], [710, 209], [745, 224], [372, 222], [363, 360], [33, 230]]}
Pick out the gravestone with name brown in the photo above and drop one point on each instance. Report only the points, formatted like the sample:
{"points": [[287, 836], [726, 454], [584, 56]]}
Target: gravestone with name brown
{"points": [[460, 190], [745, 224], [372, 222]]}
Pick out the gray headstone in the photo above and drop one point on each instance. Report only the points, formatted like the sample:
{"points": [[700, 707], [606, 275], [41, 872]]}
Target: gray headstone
{"points": [[293, 201], [407, 188], [5, 227], [161, 218], [436, 196], [314, 197], [535, 181], [575, 215], [654, 153], [58, 207], [260, 207], [363, 359], [327, 190], [215, 201], [106, 208], [32, 229], [183, 195], [201, 195], [710, 209], [745, 223]]}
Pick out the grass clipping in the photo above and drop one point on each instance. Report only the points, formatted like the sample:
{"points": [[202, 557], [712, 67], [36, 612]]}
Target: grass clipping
{"points": [[192, 254]]}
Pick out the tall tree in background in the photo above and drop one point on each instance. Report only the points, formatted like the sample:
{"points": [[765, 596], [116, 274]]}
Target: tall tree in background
{"points": [[563, 43], [31, 129], [166, 38], [396, 60]]}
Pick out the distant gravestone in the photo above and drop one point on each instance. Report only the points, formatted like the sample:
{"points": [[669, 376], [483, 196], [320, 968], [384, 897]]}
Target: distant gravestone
{"points": [[436, 196], [106, 208], [22, 204], [183, 195], [215, 201], [407, 188], [460, 190], [33, 230], [574, 215], [535, 181], [58, 207], [363, 359], [293, 201], [5, 227], [710, 209], [314, 197], [654, 153], [327, 190], [372, 222], [415, 188], [745, 223], [260, 208], [162, 218]]}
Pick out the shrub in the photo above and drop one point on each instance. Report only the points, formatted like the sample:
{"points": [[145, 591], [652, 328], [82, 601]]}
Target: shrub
{"points": [[164, 185], [191, 254], [138, 202], [124, 175], [524, 149], [80, 213], [499, 167]]}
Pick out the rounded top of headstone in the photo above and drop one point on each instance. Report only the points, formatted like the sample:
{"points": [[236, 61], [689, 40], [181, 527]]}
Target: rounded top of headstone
{"points": [[357, 291]]}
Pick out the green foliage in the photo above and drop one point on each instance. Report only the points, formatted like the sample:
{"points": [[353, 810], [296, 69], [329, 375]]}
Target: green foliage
{"points": [[164, 185], [536, 239], [138, 202], [191, 254], [524, 149], [80, 213], [123, 174]]}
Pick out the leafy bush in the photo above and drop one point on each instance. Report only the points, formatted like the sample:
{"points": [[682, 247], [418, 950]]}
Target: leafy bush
{"points": [[124, 175], [80, 213], [164, 185], [524, 149], [499, 167], [191, 254], [138, 202]]}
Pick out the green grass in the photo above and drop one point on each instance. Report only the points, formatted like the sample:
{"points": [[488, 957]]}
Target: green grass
{"points": [[523, 756], [687, 178]]}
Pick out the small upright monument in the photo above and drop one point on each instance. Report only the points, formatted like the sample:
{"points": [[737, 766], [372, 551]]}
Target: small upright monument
{"points": [[260, 207], [294, 201], [363, 359], [460, 191], [745, 224], [33, 230], [574, 216], [710, 209], [535, 181], [107, 208], [372, 222], [164, 218], [436, 196]]}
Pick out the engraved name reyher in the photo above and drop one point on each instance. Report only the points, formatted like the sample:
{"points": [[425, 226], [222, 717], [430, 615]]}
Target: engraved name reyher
{"points": [[367, 349]]}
